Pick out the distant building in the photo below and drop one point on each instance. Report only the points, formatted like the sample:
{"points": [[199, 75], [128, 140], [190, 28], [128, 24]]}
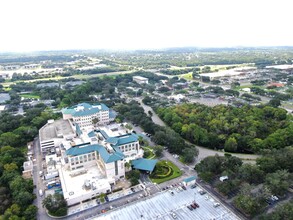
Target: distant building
{"points": [[4, 97], [2, 108], [85, 113], [43, 85], [74, 83], [276, 84], [140, 79], [11, 67], [4, 75], [32, 66], [246, 90]]}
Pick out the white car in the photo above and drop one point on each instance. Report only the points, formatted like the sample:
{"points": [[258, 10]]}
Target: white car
{"points": [[173, 215], [216, 204]]}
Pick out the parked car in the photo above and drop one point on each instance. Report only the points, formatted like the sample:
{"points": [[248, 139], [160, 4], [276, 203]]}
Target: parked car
{"points": [[196, 204], [184, 187], [216, 204], [173, 215], [193, 186], [189, 207], [193, 206]]}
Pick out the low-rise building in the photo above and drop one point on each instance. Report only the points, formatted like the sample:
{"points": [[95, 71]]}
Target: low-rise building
{"points": [[27, 169], [140, 79]]}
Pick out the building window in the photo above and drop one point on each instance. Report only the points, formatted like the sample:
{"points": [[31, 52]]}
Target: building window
{"points": [[116, 168]]}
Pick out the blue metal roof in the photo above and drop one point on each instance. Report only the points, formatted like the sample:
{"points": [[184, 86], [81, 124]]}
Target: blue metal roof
{"points": [[85, 112], [112, 140], [91, 134], [144, 164], [78, 130], [104, 107], [189, 179], [105, 135], [88, 109], [106, 156], [126, 139]]}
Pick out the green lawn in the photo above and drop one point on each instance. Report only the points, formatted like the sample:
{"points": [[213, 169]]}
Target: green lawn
{"points": [[30, 96], [176, 173]]}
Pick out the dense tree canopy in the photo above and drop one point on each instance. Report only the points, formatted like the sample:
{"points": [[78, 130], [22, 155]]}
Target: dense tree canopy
{"points": [[251, 185], [245, 129]]}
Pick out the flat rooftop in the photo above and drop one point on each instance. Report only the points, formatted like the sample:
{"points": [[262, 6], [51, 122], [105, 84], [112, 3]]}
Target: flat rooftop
{"points": [[113, 130], [73, 186], [51, 130], [161, 206], [4, 97], [231, 72]]}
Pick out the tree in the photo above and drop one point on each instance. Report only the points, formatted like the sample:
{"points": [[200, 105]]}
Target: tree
{"points": [[275, 102], [278, 182], [251, 173], [231, 145], [55, 204], [284, 211], [189, 154], [158, 150], [248, 204], [13, 212], [30, 212], [95, 120], [133, 176]]}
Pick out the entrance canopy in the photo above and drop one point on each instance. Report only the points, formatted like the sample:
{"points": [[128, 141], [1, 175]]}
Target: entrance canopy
{"points": [[144, 164]]}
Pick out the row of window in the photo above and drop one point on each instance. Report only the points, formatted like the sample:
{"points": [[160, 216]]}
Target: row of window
{"points": [[82, 159], [128, 147]]}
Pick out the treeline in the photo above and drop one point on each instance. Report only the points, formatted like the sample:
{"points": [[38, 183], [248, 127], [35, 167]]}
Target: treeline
{"points": [[164, 59], [251, 185], [16, 193], [245, 129], [160, 135]]}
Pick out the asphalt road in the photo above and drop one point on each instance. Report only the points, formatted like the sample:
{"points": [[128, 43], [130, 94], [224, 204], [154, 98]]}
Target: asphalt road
{"points": [[42, 215]]}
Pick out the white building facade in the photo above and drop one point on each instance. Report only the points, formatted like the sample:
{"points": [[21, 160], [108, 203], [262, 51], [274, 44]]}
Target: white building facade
{"points": [[85, 114]]}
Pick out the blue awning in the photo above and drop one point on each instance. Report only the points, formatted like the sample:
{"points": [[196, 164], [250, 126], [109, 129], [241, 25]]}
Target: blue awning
{"points": [[144, 164], [189, 179]]}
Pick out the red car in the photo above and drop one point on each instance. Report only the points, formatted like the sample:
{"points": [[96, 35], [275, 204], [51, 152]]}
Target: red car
{"points": [[197, 205]]}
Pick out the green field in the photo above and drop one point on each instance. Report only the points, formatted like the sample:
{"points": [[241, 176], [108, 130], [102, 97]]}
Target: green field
{"points": [[30, 96], [78, 76], [176, 173]]}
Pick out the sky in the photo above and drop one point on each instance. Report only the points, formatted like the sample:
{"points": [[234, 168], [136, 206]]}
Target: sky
{"points": [[33, 25]]}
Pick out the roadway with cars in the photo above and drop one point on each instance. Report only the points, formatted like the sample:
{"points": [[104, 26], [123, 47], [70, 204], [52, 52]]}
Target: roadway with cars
{"points": [[38, 182]]}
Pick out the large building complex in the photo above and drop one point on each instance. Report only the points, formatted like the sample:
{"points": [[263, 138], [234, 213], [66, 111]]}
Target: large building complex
{"points": [[84, 114], [88, 159]]}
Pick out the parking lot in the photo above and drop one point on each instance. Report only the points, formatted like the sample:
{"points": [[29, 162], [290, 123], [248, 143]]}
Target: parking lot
{"points": [[164, 204]]}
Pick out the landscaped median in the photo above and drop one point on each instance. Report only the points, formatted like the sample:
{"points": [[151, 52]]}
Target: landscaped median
{"points": [[164, 171]]}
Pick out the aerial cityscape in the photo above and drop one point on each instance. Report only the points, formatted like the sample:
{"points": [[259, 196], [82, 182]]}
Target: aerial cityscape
{"points": [[133, 110]]}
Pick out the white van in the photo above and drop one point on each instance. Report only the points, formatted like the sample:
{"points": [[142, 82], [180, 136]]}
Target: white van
{"points": [[41, 192]]}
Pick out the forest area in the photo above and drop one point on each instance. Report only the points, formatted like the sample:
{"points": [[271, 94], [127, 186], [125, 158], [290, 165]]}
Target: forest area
{"points": [[16, 193], [252, 185], [248, 129]]}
